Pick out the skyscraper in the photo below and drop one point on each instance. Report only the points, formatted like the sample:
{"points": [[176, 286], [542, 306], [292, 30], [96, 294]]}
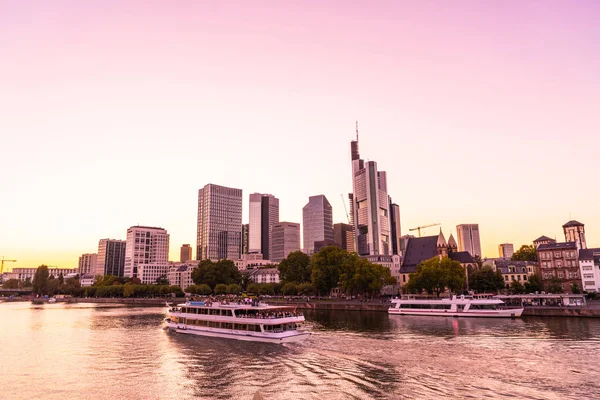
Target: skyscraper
{"points": [[185, 254], [369, 206], [343, 234], [219, 223], [395, 231], [111, 257], [506, 250], [264, 213], [317, 222], [87, 263], [286, 239], [468, 239], [146, 245]]}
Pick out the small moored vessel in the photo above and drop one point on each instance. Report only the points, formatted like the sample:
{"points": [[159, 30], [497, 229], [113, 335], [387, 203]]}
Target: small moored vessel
{"points": [[455, 307], [256, 321]]}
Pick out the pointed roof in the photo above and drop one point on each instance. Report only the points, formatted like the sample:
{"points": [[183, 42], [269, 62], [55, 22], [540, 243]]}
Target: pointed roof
{"points": [[542, 239], [452, 242], [572, 223], [441, 242]]}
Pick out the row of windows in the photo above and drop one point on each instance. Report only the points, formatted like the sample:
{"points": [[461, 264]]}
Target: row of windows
{"points": [[557, 254], [427, 306]]}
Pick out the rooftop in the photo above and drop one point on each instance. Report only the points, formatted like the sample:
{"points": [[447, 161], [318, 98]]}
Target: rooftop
{"points": [[560, 245], [572, 223]]}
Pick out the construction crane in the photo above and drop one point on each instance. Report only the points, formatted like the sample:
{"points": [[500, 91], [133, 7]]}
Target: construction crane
{"points": [[345, 208], [418, 228], [2, 264]]}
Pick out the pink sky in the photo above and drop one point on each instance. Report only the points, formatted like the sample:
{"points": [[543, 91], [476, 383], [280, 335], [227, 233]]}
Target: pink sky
{"points": [[114, 113]]}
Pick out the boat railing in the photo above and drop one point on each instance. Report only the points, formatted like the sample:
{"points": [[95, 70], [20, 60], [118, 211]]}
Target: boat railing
{"points": [[270, 315]]}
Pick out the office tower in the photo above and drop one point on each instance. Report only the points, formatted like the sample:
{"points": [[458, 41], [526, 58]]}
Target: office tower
{"points": [[575, 232], [395, 231], [317, 222], [264, 213], [147, 246], [468, 239], [343, 234], [286, 239], [185, 253], [506, 250], [219, 223], [111, 257], [87, 263], [245, 238], [369, 206]]}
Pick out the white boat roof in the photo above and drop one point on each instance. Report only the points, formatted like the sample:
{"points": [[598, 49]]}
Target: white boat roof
{"points": [[234, 306], [449, 301]]}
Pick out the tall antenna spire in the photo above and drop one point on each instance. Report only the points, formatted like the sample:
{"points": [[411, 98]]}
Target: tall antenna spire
{"points": [[357, 131]]}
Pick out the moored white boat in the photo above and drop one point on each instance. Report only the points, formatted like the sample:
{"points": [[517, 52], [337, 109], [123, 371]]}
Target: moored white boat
{"points": [[455, 307], [256, 322]]}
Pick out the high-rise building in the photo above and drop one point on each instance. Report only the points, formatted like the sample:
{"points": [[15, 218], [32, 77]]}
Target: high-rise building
{"points": [[506, 250], [245, 238], [468, 239], [395, 231], [87, 263], [575, 232], [369, 206], [111, 257], [286, 239], [185, 253], [264, 213], [148, 246], [219, 223], [317, 222], [343, 234]]}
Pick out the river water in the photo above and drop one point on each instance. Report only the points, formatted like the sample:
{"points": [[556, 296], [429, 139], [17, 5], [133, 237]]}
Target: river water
{"points": [[83, 351]]}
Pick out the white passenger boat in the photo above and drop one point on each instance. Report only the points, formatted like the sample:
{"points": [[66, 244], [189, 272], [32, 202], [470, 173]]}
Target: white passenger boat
{"points": [[256, 322], [455, 307]]}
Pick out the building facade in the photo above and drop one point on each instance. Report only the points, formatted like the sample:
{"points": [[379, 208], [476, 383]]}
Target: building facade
{"points": [[264, 213], [506, 250], [519, 271], [148, 246], [245, 238], [396, 233], [111, 257], [286, 239], [87, 263], [575, 232], [559, 260], [369, 206], [251, 261], [185, 254], [317, 222], [468, 239], [589, 266], [23, 273], [219, 223], [149, 273], [343, 235], [180, 274], [264, 275]]}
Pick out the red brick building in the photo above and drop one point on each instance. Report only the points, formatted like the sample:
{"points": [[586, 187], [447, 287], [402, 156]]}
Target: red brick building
{"points": [[559, 260]]}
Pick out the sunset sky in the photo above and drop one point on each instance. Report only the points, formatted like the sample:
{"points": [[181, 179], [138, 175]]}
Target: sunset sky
{"points": [[115, 112]]}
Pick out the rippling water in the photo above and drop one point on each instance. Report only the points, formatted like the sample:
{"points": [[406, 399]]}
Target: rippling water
{"points": [[62, 351]]}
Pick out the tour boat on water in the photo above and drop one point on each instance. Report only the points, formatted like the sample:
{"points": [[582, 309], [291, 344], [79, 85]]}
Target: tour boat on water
{"points": [[455, 307], [256, 321]]}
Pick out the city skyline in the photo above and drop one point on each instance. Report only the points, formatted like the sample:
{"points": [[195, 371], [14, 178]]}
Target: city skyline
{"points": [[469, 81]]}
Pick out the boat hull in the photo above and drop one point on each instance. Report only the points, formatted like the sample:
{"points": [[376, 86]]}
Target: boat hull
{"points": [[285, 337], [508, 313]]}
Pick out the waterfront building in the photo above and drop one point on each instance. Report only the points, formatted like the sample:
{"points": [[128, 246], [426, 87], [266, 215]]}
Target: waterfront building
{"points": [[369, 206], [87, 263], [519, 271], [24, 273], [185, 254], [149, 273], [251, 261], [589, 266], [286, 239], [317, 222], [468, 238], [180, 274], [343, 235], [393, 263], [219, 223], [264, 213], [395, 228], [111, 257], [148, 246], [575, 232], [560, 260], [86, 280], [264, 275], [506, 250], [543, 240]]}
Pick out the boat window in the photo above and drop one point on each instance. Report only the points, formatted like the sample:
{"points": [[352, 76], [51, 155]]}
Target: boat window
{"points": [[484, 307]]}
